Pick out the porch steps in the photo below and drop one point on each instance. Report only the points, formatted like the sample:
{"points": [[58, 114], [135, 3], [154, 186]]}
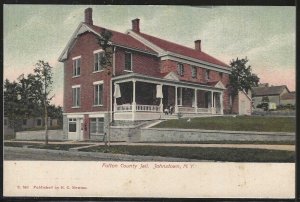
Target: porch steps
{"points": [[199, 115], [167, 117], [153, 123]]}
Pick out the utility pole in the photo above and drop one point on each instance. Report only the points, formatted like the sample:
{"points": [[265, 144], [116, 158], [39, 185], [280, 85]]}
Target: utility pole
{"points": [[46, 115]]}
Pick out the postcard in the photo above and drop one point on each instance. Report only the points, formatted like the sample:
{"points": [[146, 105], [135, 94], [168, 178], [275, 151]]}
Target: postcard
{"points": [[149, 101]]}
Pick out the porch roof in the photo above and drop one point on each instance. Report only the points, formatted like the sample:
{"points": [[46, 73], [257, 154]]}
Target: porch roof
{"points": [[148, 79]]}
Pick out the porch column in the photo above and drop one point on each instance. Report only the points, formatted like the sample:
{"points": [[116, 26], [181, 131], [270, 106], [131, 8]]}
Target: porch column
{"points": [[133, 97], [221, 100], [212, 102], [161, 99], [115, 100], [211, 99], [176, 99], [196, 105]]}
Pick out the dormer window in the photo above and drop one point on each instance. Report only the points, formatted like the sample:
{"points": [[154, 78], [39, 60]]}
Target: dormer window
{"points": [[128, 61], [76, 66], [194, 71], [98, 55], [180, 69], [207, 76]]}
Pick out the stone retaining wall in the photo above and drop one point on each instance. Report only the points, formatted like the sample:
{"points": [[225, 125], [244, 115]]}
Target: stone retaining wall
{"points": [[40, 135], [183, 135]]}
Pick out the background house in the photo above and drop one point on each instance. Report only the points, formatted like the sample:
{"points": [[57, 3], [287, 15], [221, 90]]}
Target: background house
{"points": [[28, 123], [273, 94], [288, 98]]}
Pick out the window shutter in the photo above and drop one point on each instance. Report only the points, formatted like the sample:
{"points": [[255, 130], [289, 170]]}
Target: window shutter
{"points": [[74, 67], [74, 96], [100, 58], [96, 62], [78, 66], [78, 96]]}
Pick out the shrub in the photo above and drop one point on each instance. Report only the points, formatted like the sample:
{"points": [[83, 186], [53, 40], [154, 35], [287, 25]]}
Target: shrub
{"points": [[287, 106], [264, 106]]}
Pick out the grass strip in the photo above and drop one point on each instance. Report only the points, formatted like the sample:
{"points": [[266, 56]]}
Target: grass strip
{"points": [[199, 153], [238, 123]]}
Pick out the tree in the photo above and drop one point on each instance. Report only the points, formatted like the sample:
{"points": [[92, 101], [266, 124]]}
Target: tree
{"points": [[11, 103], [241, 77], [43, 73], [56, 112], [30, 91], [104, 42]]}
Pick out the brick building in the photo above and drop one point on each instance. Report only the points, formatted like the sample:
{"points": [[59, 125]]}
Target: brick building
{"points": [[149, 77]]}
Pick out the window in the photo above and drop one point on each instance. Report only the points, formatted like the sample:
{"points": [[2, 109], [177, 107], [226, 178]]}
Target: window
{"points": [[24, 122], [72, 125], [194, 71], [76, 66], [221, 75], [76, 96], [180, 69], [98, 94], [207, 75], [97, 61], [38, 122], [179, 96], [128, 61], [96, 126]]}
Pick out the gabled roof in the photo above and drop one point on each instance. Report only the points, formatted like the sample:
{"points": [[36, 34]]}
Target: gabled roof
{"points": [[182, 50], [122, 39], [289, 96], [118, 39], [265, 91]]}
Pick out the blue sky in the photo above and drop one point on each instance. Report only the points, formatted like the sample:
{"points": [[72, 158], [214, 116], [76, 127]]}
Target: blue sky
{"points": [[266, 35]]}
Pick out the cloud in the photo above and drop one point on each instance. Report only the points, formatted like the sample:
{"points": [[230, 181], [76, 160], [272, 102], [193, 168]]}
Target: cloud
{"points": [[266, 35]]}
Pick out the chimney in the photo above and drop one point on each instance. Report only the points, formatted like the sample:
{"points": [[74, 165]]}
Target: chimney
{"points": [[88, 16], [198, 45], [136, 25]]}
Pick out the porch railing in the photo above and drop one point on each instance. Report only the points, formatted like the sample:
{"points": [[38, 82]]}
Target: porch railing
{"points": [[124, 108], [148, 108], [155, 108], [204, 110], [186, 109], [141, 108]]}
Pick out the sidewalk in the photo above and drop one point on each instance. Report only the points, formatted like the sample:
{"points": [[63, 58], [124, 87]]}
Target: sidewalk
{"points": [[92, 144], [20, 153]]}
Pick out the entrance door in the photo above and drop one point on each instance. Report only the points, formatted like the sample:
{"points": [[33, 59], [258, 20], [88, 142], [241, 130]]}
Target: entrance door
{"points": [[75, 131], [165, 101], [218, 103]]}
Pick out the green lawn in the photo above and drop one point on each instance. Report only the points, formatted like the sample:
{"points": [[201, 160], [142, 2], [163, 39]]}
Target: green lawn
{"points": [[215, 154], [238, 123]]}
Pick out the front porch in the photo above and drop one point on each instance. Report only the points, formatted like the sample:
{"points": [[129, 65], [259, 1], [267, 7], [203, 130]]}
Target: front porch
{"points": [[138, 98]]}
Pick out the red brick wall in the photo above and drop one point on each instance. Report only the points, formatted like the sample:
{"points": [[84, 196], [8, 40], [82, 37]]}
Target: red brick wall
{"points": [[86, 127], [141, 63], [84, 47]]}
